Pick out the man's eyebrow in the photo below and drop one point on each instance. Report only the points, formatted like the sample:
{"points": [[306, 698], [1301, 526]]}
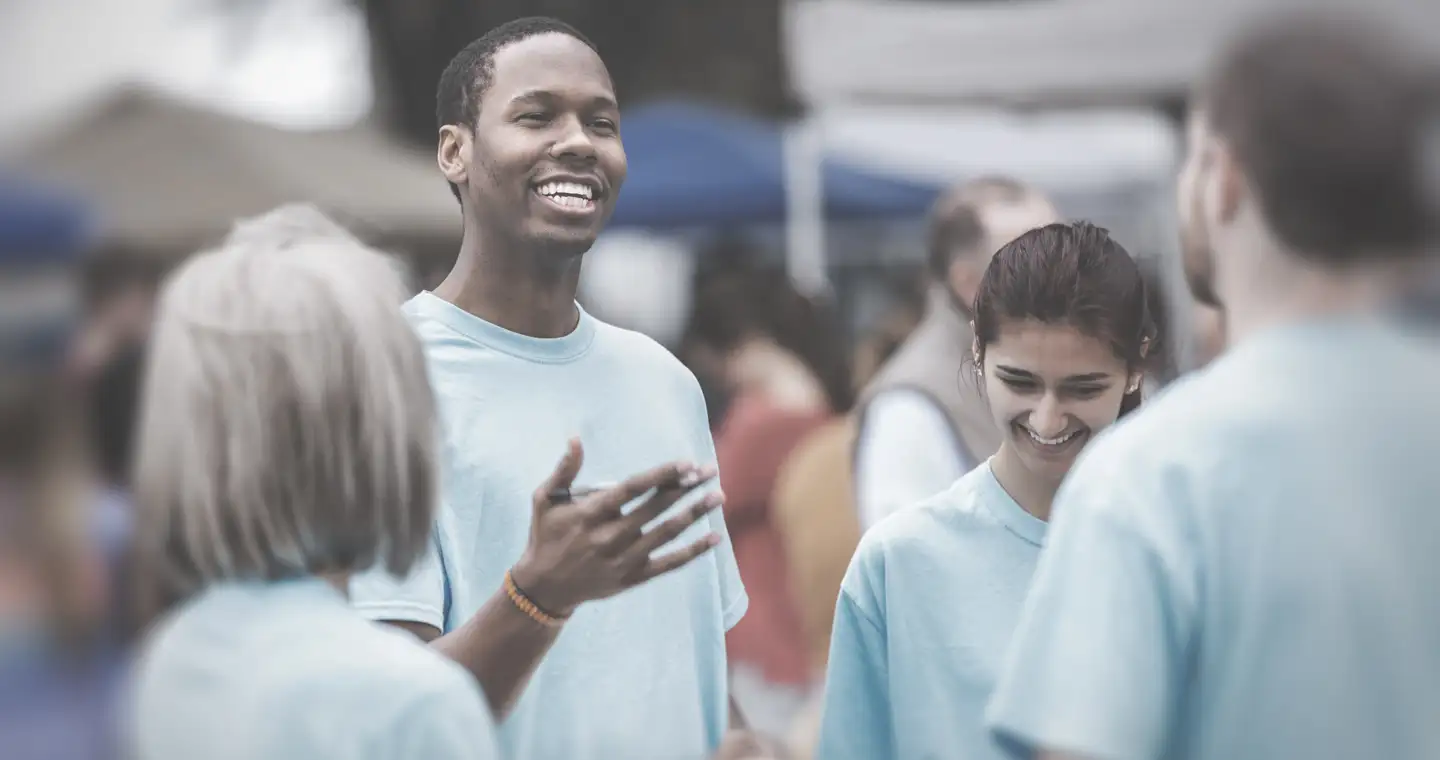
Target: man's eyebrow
{"points": [[548, 97]]}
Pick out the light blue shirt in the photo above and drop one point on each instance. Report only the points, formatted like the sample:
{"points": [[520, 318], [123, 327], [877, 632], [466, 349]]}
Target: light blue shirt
{"points": [[287, 671], [641, 675], [1249, 568], [926, 611]]}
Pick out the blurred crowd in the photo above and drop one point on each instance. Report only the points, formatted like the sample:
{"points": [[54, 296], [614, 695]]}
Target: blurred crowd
{"points": [[220, 465]]}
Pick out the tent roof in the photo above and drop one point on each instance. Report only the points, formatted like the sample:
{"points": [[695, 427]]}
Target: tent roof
{"points": [[169, 177], [1031, 50], [1073, 150], [693, 165]]}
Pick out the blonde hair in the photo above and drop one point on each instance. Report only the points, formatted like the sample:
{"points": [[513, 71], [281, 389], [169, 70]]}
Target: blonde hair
{"points": [[287, 424], [286, 226]]}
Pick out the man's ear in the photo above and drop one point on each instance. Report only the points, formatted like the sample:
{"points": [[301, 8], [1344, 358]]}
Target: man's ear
{"points": [[453, 153], [1231, 185]]}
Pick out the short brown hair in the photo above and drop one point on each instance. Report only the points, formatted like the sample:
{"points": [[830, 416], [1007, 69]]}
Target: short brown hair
{"points": [[1326, 118], [957, 223]]}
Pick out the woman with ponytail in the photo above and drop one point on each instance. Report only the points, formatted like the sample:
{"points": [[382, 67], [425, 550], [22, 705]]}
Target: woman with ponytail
{"points": [[1063, 335]]}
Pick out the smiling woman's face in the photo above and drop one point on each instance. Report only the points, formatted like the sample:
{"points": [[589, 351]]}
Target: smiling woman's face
{"points": [[1051, 388]]}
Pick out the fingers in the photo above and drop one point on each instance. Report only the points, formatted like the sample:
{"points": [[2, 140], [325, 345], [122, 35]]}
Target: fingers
{"points": [[671, 529], [564, 474], [657, 505], [677, 559], [666, 476]]}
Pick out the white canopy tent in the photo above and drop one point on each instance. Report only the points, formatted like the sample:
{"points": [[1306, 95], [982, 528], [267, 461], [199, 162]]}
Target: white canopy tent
{"points": [[1032, 50], [1060, 93]]}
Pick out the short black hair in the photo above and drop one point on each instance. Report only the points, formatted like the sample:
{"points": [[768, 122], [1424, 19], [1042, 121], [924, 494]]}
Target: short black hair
{"points": [[1327, 120], [731, 307], [469, 73], [956, 226]]}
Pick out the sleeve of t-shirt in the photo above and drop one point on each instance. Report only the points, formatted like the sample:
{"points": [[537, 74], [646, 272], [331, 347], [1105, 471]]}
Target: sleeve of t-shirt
{"points": [[855, 723], [418, 597], [733, 599], [449, 723], [906, 453], [1103, 645]]}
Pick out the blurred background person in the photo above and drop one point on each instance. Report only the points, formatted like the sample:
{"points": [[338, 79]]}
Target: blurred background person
{"points": [[780, 359], [113, 396], [1247, 569], [288, 440], [922, 423], [1063, 336], [60, 666]]}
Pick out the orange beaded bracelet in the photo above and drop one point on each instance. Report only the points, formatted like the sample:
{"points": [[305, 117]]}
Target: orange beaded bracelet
{"points": [[528, 607]]}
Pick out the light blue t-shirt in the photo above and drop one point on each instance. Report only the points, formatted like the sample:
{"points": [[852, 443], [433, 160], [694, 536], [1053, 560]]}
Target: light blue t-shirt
{"points": [[925, 613], [287, 671], [641, 675], [1249, 568]]}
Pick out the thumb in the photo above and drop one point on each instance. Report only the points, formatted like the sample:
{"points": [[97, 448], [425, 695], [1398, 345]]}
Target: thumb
{"points": [[565, 471]]}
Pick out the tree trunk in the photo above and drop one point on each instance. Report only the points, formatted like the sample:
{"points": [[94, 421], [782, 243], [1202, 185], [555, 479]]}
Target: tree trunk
{"points": [[719, 50]]}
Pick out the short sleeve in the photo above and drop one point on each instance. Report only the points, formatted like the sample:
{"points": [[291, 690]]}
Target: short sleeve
{"points": [[855, 723], [1103, 644], [733, 599], [453, 723], [906, 452], [419, 597]]}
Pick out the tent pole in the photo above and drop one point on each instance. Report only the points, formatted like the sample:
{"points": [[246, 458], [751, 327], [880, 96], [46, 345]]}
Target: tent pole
{"points": [[805, 260]]}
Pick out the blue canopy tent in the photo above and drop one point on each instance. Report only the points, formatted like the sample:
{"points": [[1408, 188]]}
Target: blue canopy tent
{"points": [[694, 165], [43, 234], [38, 224]]}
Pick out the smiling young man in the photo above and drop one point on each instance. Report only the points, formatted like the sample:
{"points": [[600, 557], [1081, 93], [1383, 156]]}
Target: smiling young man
{"points": [[530, 142]]}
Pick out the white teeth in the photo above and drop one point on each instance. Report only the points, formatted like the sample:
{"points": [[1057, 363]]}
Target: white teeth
{"points": [[1052, 441], [566, 189]]}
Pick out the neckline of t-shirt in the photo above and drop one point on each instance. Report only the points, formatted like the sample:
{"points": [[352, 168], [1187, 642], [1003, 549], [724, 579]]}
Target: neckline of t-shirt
{"points": [[309, 587], [1004, 508], [549, 350]]}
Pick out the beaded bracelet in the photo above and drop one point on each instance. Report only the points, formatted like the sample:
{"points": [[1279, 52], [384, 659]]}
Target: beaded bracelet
{"points": [[531, 609]]}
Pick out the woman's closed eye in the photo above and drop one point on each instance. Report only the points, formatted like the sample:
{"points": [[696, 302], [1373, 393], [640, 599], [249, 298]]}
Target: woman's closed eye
{"points": [[1019, 384], [1087, 391]]}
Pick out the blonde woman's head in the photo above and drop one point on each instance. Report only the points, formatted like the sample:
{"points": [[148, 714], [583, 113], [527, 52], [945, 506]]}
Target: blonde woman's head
{"points": [[288, 427]]}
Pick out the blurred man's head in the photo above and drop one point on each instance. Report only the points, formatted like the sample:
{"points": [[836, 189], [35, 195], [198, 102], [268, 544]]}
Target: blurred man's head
{"points": [[972, 221], [1306, 137]]}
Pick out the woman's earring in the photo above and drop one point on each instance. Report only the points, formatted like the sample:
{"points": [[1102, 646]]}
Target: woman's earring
{"points": [[1134, 386]]}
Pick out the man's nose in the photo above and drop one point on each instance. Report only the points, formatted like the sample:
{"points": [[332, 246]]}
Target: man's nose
{"points": [[574, 141]]}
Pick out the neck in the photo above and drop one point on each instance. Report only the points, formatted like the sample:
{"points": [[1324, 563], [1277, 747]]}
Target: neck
{"points": [[1034, 495], [530, 292], [942, 305], [1278, 289]]}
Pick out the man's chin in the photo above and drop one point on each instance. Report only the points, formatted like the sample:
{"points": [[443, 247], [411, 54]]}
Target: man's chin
{"points": [[1202, 288], [564, 243]]}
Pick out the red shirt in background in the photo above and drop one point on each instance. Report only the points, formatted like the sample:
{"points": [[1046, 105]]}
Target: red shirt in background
{"points": [[751, 445]]}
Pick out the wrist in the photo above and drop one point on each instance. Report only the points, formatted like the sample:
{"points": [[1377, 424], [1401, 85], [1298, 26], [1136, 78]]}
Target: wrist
{"points": [[533, 586]]}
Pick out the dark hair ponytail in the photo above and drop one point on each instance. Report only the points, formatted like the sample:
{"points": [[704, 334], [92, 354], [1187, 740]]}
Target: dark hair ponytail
{"points": [[1072, 274]]}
